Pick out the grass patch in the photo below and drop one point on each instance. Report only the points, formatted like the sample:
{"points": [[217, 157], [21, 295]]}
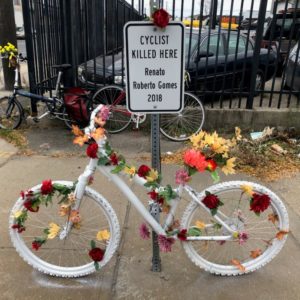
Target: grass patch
{"points": [[14, 137]]}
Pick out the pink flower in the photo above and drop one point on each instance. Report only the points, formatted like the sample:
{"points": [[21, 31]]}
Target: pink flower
{"points": [[243, 237], [182, 176], [195, 159], [165, 243], [144, 231], [104, 113]]}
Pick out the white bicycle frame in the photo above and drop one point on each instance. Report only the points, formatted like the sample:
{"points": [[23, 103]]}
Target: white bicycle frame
{"points": [[117, 180]]}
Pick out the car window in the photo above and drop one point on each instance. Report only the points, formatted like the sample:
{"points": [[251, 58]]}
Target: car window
{"points": [[238, 42], [193, 41], [215, 44]]}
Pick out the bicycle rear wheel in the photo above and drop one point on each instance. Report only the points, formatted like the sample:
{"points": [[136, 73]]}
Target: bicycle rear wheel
{"points": [[181, 126], [66, 256], [259, 237], [11, 113], [119, 117]]}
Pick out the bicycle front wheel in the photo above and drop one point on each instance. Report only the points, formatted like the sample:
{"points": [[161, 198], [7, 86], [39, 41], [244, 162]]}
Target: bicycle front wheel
{"points": [[181, 126], [259, 236], [11, 113], [119, 117], [66, 256]]}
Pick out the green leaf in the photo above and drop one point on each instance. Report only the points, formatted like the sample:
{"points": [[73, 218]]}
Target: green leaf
{"points": [[215, 176], [103, 161], [214, 211], [118, 169], [96, 266], [207, 193], [194, 231], [58, 186], [46, 231], [151, 184], [217, 226], [93, 244], [191, 171], [257, 213], [108, 149], [220, 203]]}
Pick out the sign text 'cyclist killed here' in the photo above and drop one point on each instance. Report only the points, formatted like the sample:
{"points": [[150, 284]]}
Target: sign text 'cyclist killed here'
{"points": [[154, 65]]}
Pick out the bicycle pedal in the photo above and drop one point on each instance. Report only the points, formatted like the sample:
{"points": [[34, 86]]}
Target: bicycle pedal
{"points": [[35, 119]]}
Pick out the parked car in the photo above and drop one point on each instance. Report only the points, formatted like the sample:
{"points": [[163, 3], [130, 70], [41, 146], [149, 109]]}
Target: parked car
{"points": [[213, 68], [293, 69]]}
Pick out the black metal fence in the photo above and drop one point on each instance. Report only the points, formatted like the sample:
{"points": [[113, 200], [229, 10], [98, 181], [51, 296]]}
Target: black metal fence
{"points": [[240, 54]]}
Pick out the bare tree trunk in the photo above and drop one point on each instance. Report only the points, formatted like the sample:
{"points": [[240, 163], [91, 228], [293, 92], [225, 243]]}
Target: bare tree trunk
{"points": [[7, 34]]}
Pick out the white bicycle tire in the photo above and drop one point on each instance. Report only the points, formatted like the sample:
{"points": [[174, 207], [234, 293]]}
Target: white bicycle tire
{"points": [[54, 270], [253, 264]]}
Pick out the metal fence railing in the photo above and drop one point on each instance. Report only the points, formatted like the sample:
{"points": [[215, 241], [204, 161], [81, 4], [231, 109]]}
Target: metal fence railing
{"points": [[240, 54]]}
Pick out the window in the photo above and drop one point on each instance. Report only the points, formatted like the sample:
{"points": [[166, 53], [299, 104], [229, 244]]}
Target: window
{"points": [[216, 45]]}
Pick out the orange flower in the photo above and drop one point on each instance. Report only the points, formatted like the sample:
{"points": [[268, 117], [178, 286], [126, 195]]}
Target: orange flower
{"points": [[195, 159]]}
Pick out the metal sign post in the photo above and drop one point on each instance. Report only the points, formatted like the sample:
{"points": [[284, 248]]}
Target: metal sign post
{"points": [[154, 62]]}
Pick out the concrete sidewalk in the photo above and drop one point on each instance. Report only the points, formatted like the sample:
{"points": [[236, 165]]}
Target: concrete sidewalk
{"points": [[128, 275]]}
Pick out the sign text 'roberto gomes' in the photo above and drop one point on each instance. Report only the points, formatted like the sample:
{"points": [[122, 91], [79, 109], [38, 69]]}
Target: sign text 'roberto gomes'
{"points": [[154, 67]]}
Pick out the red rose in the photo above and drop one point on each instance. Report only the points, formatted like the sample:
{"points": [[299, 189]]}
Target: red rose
{"points": [[29, 205], [211, 165], [19, 227], [182, 235], [91, 150], [36, 245], [155, 196], [161, 18], [259, 203], [114, 159], [22, 194], [96, 254], [143, 171], [211, 201], [47, 187]]}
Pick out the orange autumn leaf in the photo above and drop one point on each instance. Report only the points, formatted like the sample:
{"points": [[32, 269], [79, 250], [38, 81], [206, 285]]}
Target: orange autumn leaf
{"points": [[76, 131], [273, 218], [80, 140], [255, 253], [238, 264], [280, 234], [166, 209], [98, 133]]}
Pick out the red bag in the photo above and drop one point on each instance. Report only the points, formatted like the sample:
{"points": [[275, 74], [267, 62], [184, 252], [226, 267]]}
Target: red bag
{"points": [[76, 104]]}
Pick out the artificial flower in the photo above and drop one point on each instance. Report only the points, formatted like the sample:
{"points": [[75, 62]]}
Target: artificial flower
{"points": [[91, 180], [238, 135], [130, 171], [259, 202], [26, 195], [152, 175], [182, 176], [71, 198], [200, 225], [76, 131], [104, 113], [182, 234], [114, 159], [229, 167], [103, 235], [31, 205], [247, 189], [243, 237], [92, 150], [143, 171], [75, 216], [211, 201], [165, 243], [18, 213], [195, 159], [19, 227], [196, 139], [47, 187], [98, 133], [96, 254], [161, 18], [211, 165], [144, 231], [64, 210], [255, 253], [81, 140], [53, 231], [36, 245]]}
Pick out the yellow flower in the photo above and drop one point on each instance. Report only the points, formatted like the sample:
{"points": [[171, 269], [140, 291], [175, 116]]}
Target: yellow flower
{"points": [[238, 133], [53, 230], [71, 198], [152, 175], [18, 213], [209, 139], [64, 210], [197, 138], [103, 235], [200, 225], [229, 167], [130, 171], [247, 189]]}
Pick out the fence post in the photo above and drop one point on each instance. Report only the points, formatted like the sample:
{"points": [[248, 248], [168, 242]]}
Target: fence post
{"points": [[255, 61], [30, 52]]}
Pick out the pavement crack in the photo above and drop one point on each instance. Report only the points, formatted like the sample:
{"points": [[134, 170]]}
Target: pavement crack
{"points": [[119, 250]]}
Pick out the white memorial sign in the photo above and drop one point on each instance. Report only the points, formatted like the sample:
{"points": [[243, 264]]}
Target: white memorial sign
{"points": [[154, 61]]}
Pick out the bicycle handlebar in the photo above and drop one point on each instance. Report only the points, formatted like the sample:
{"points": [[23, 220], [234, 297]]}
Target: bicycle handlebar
{"points": [[91, 127]]}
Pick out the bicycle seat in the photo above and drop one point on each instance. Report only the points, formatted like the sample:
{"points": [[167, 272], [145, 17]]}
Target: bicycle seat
{"points": [[62, 67]]}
